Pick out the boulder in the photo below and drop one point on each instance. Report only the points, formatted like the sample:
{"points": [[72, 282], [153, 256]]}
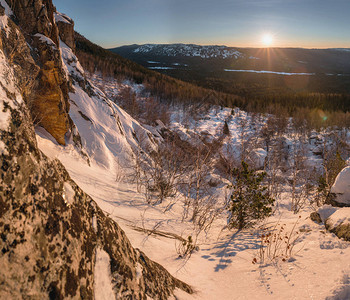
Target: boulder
{"points": [[315, 216], [341, 189], [339, 223], [257, 158]]}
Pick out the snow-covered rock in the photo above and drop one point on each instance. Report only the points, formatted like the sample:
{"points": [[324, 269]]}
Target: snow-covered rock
{"points": [[258, 157], [339, 223], [341, 187], [107, 133], [340, 217], [326, 211]]}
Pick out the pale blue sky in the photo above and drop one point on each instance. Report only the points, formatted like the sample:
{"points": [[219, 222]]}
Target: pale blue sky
{"points": [[241, 23]]}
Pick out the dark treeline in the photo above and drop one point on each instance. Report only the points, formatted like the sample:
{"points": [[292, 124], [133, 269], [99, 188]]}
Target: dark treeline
{"points": [[313, 110]]}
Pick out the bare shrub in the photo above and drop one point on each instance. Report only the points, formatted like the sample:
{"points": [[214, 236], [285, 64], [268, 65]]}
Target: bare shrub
{"points": [[297, 179], [155, 110], [128, 100], [185, 248], [120, 173], [276, 243], [160, 177]]}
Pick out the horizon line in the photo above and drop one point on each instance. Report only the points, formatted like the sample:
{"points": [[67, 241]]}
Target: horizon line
{"points": [[223, 45]]}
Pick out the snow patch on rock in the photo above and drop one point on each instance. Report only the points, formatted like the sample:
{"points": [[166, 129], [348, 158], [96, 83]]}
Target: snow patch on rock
{"points": [[5, 116], [94, 223], [139, 270], [3, 149], [3, 24], [7, 86], [45, 39], [103, 277], [70, 62], [60, 17], [68, 194], [8, 10], [4, 19]]}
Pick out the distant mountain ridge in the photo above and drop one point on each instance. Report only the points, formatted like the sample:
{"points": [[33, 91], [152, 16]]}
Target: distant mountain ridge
{"points": [[219, 57], [204, 51], [328, 70], [192, 50]]}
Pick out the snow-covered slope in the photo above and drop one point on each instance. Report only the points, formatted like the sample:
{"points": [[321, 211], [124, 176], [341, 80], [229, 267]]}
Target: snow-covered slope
{"points": [[108, 134], [223, 268]]}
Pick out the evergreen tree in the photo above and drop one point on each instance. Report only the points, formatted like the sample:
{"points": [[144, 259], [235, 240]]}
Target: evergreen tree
{"points": [[250, 201]]}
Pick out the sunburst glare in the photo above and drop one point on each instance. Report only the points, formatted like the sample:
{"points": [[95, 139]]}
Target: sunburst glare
{"points": [[267, 39]]}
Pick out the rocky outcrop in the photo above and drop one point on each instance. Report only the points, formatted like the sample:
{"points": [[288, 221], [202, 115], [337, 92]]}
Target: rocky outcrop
{"points": [[35, 17], [47, 97], [66, 29], [50, 230], [13, 43]]}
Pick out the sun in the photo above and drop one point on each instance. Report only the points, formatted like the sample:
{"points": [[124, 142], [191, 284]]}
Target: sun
{"points": [[267, 39]]}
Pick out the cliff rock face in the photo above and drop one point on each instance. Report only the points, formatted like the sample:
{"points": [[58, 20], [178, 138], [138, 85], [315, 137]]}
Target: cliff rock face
{"points": [[66, 29], [47, 98], [50, 230]]}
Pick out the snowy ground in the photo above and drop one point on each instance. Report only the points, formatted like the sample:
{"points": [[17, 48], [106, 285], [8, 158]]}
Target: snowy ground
{"points": [[222, 268]]}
